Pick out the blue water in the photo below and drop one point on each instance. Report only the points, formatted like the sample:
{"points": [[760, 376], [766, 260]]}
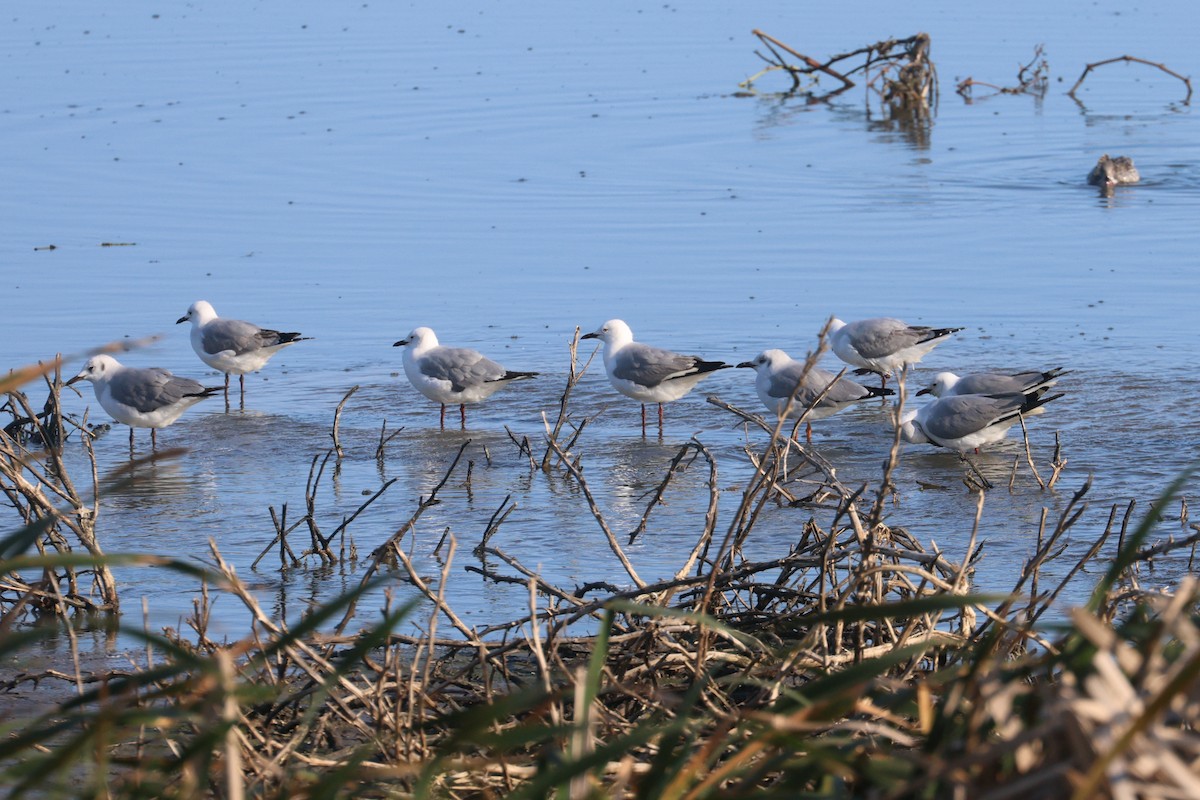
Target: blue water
{"points": [[505, 174]]}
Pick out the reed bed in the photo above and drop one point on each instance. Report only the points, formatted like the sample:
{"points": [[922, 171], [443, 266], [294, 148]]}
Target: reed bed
{"points": [[853, 662]]}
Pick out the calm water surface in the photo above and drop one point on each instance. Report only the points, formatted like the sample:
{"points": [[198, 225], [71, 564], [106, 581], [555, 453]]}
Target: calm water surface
{"points": [[504, 174]]}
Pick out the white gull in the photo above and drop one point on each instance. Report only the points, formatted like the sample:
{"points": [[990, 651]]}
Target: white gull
{"points": [[947, 384], [232, 346], [141, 398], [883, 345], [645, 373], [452, 375], [970, 421], [786, 387]]}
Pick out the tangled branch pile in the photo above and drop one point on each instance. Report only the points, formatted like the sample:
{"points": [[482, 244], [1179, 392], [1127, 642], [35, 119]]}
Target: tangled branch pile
{"points": [[897, 71], [854, 662]]}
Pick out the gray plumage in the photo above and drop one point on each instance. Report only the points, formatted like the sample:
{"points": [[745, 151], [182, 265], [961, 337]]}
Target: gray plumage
{"points": [[241, 337], [152, 389], [465, 368], [947, 383], [970, 421], [842, 393], [883, 336], [649, 366], [961, 415]]}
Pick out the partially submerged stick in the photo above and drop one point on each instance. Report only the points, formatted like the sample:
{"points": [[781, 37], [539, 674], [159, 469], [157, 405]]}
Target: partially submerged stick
{"points": [[1087, 70]]}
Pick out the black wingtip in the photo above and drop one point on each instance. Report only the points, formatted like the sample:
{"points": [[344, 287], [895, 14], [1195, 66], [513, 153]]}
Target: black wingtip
{"points": [[938, 333], [711, 366], [1038, 399], [879, 391]]}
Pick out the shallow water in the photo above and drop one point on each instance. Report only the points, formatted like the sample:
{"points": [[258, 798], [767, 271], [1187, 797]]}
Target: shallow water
{"points": [[507, 174]]}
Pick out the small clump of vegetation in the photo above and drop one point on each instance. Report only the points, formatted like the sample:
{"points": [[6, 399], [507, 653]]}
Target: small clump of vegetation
{"points": [[854, 663]]}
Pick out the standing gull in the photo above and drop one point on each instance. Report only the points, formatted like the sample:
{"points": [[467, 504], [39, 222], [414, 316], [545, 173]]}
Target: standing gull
{"points": [[947, 384], [648, 374], [882, 344], [141, 398], [232, 346], [969, 421], [449, 375], [784, 386]]}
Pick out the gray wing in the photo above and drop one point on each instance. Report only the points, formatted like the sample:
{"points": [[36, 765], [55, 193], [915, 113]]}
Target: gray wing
{"points": [[240, 337], [999, 383], [151, 389], [784, 382], [650, 366], [844, 391], [875, 338], [460, 366], [993, 383], [960, 415]]}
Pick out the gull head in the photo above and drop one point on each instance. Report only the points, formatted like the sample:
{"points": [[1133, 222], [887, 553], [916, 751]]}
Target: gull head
{"points": [[97, 370], [199, 312], [613, 332], [767, 360], [420, 338], [942, 383]]}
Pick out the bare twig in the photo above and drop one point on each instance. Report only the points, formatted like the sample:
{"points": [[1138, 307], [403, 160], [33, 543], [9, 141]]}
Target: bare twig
{"points": [[1187, 82]]}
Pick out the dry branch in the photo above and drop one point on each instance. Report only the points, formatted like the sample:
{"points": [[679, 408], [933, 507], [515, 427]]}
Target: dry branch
{"points": [[1032, 78], [1187, 82]]}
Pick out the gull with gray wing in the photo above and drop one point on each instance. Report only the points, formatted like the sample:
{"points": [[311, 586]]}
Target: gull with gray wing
{"points": [[645, 373], [947, 384], [452, 375], [141, 398], [970, 421], [786, 387], [883, 345], [232, 346]]}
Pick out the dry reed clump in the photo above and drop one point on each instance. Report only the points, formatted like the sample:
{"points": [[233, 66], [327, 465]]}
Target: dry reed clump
{"points": [[856, 662]]}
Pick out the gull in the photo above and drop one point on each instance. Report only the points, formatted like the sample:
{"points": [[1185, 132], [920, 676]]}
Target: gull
{"points": [[969, 421], [947, 384], [785, 386], [231, 345], [141, 398], [648, 374], [449, 375], [882, 344]]}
